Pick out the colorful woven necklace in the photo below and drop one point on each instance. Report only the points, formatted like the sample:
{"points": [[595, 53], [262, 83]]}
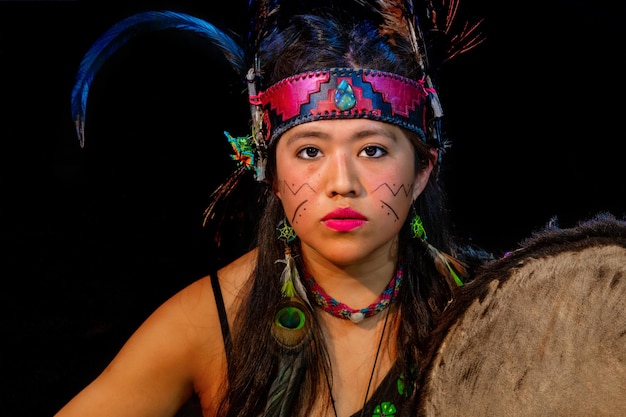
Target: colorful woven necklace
{"points": [[339, 309]]}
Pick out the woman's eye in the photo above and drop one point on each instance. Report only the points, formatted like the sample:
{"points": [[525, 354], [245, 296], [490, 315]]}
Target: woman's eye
{"points": [[308, 153], [373, 151]]}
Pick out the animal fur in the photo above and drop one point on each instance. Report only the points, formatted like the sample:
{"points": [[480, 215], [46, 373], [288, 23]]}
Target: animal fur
{"points": [[541, 332]]}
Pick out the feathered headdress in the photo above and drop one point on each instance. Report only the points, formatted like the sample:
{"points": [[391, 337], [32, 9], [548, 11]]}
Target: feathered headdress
{"points": [[428, 26]]}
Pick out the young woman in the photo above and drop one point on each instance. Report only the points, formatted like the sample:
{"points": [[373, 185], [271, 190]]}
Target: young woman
{"points": [[331, 314]]}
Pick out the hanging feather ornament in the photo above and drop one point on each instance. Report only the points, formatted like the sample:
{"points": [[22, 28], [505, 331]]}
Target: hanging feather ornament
{"points": [[449, 267], [453, 270], [291, 331], [262, 14], [229, 203], [292, 323], [291, 328], [286, 386]]}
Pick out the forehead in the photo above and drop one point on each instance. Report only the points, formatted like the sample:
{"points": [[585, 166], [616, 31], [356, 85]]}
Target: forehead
{"points": [[344, 129]]}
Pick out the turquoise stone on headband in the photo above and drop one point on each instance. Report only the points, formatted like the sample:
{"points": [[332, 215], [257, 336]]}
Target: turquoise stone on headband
{"points": [[344, 96]]}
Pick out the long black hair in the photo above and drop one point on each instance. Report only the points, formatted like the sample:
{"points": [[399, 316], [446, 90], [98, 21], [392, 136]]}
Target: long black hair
{"points": [[308, 42]]}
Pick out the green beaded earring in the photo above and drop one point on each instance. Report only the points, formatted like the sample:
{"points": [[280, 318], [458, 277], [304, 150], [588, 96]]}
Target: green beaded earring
{"points": [[285, 232], [417, 227], [453, 270]]}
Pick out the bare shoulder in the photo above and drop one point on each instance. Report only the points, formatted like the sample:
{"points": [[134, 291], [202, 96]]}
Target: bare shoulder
{"points": [[234, 277], [176, 351], [193, 314], [194, 307], [196, 304]]}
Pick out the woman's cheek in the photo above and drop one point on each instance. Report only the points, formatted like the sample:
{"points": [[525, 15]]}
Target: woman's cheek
{"points": [[394, 196], [296, 197]]}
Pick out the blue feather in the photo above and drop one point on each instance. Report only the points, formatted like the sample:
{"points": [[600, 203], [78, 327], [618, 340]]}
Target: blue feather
{"points": [[120, 33]]}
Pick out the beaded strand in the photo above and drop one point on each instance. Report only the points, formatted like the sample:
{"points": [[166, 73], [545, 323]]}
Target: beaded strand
{"points": [[341, 310]]}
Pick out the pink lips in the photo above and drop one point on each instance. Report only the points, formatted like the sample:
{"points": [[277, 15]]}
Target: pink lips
{"points": [[343, 220]]}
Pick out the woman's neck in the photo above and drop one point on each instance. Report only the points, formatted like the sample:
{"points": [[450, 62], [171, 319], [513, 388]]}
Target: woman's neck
{"points": [[361, 355], [356, 285]]}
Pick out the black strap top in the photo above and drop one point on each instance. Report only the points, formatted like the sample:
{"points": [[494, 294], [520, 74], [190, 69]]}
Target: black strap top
{"points": [[221, 311]]}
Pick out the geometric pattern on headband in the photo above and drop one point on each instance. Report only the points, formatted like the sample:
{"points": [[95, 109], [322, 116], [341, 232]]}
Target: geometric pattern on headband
{"points": [[343, 93]]}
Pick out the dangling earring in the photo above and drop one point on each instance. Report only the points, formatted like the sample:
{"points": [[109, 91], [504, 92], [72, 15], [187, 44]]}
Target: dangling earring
{"points": [[417, 227], [291, 330], [285, 232], [451, 268], [291, 323]]}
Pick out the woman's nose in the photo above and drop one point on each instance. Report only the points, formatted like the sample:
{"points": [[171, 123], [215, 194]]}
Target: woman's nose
{"points": [[342, 177]]}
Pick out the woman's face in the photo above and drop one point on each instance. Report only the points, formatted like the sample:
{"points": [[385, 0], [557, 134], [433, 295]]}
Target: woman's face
{"points": [[347, 186]]}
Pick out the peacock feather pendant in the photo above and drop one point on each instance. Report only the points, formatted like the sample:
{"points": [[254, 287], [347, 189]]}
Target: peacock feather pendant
{"points": [[292, 324]]}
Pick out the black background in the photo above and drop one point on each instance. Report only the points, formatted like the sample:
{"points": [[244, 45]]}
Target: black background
{"points": [[94, 239]]}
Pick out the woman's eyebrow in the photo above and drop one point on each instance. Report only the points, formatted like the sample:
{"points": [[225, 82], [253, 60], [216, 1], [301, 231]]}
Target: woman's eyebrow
{"points": [[377, 132], [306, 134], [358, 135]]}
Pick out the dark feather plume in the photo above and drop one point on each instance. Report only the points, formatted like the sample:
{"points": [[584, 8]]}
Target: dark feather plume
{"points": [[430, 26], [262, 12], [456, 36], [286, 387], [120, 33]]}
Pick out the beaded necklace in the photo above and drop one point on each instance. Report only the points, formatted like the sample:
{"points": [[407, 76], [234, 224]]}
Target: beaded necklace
{"points": [[339, 309]]}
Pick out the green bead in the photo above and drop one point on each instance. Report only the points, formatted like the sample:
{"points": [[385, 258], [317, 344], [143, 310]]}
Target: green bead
{"points": [[384, 409]]}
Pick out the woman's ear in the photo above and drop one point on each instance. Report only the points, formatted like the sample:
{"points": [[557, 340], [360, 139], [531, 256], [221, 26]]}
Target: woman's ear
{"points": [[276, 190], [422, 176]]}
